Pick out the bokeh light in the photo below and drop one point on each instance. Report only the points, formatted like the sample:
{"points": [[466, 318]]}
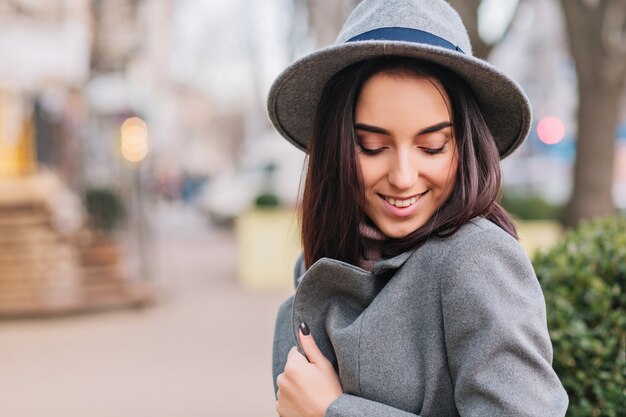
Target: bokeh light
{"points": [[551, 130], [134, 139]]}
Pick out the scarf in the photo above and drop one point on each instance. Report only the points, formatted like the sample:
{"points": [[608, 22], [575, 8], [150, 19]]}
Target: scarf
{"points": [[372, 239]]}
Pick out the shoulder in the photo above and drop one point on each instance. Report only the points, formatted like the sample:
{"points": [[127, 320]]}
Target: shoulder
{"points": [[487, 276], [478, 237], [479, 252], [478, 258], [484, 259], [478, 229]]}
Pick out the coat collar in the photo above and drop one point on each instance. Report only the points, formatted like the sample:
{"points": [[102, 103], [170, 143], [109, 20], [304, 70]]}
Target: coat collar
{"points": [[391, 263], [380, 267]]}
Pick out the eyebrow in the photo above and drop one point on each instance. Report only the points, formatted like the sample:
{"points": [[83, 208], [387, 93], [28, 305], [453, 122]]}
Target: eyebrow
{"points": [[380, 130]]}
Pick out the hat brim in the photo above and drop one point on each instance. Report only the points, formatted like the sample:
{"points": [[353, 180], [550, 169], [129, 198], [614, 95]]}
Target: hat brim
{"points": [[294, 95]]}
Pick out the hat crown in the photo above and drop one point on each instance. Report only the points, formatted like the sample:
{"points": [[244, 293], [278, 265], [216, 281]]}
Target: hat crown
{"points": [[427, 30], [433, 16]]}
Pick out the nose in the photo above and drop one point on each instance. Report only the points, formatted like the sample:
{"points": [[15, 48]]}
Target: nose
{"points": [[403, 173]]}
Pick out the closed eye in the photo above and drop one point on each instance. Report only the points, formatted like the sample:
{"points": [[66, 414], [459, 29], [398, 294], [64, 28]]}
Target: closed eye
{"points": [[435, 151], [367, 151]]}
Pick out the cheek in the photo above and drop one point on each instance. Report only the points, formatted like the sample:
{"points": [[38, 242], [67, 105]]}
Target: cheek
{"points": [[371, 171], [448, 178], [446, 172]]}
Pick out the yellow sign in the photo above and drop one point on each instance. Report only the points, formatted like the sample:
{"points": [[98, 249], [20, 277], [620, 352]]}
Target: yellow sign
{"points": [[17, 132]]}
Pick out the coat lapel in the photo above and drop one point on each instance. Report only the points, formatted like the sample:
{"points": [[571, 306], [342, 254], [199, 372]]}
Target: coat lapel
{"points": [[392, 263], [331, 296]]}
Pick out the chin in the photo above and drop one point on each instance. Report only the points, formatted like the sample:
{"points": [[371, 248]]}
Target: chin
{"points": [[398, 232]]}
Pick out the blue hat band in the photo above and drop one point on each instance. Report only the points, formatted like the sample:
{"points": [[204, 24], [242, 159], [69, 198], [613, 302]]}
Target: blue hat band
{"points": [[405, 35]]}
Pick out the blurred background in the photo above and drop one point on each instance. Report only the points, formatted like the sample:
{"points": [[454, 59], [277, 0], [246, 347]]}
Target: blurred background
{"points": [[148, 222]]}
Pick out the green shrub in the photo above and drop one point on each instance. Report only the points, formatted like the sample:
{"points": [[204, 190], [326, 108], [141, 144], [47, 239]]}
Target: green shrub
{"points": [[105, 208], [530, 207], [583, 279], [267, 200]]}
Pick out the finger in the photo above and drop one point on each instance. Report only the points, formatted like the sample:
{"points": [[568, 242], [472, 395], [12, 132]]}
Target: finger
{"points": [[292, 351], [310, 348], [294, 359], [294, 354], [279, 381]]}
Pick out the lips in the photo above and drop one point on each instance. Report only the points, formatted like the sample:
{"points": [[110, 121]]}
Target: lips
{"points": [[402, 202]]}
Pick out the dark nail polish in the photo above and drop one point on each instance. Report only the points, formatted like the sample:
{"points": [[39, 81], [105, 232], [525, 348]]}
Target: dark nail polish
{"points": [[305, 329]]}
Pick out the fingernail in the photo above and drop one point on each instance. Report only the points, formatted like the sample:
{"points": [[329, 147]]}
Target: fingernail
{"points": [[304, 329]]}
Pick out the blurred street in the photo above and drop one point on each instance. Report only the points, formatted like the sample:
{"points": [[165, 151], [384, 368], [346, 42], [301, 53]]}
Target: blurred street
{"points": [[203, 349], [138, 164]]}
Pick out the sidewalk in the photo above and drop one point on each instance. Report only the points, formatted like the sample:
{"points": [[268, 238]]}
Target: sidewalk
{"points": [[203, 350]]}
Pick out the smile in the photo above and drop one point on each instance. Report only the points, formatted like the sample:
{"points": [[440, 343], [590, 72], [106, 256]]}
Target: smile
{"points": [[403, 202]]}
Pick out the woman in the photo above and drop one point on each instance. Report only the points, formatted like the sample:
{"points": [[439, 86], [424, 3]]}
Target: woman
{"points": [[413, 295]]}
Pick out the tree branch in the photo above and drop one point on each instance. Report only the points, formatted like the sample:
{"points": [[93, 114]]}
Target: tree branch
{"points": [[590, 4], [468, 10], [508, 28], [614, 29]]}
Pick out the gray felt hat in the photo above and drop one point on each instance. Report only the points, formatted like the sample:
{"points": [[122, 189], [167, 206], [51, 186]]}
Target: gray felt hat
{"points": [[425, 29]]}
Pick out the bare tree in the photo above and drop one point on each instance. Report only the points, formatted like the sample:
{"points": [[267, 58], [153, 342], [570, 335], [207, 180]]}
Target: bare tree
{"points": [[324, 18], [327, 17], [468, 10], [596, 31]]}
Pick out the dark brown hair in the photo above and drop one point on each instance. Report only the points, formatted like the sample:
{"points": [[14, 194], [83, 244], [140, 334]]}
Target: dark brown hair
{"points": [[333, 198]]}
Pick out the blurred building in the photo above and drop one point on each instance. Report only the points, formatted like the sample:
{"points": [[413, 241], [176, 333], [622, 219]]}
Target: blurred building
{"points": [[44, 55], [55, 257]]}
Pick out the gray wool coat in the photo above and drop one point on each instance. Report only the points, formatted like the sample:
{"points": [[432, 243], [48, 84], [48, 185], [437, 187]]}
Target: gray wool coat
{"points": [[454, 328]]}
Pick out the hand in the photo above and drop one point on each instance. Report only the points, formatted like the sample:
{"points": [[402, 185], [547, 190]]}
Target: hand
{"points": [[306, 387]]}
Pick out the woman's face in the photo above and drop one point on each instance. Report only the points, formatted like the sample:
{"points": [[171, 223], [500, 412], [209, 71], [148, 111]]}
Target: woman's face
{"points": [[406, 150]]}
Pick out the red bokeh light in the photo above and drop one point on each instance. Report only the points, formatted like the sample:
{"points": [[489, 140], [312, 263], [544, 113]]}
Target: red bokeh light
{"points": [[551, 130]]}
